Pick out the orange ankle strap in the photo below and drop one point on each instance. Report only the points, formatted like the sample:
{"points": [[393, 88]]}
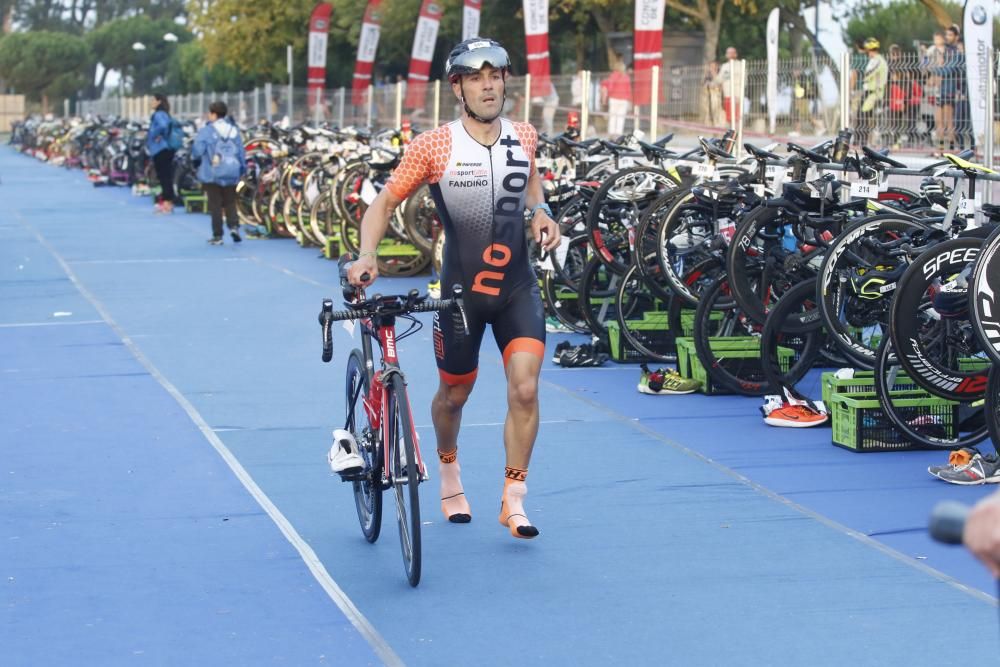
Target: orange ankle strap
{"points": [[449, 457]]}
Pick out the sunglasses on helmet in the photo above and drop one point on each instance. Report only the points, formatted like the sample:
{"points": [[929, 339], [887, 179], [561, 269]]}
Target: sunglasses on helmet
{"points": [[475, 59]]}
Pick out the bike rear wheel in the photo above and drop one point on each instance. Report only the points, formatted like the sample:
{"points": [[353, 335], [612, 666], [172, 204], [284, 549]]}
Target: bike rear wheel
{"points": [[405, 477]]}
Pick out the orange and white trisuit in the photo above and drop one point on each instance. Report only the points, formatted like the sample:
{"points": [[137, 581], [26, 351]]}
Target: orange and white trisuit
{"points": [[479, 192]]}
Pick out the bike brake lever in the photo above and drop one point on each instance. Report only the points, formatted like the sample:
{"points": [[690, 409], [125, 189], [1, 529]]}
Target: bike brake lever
{"points": [[456, 295]]}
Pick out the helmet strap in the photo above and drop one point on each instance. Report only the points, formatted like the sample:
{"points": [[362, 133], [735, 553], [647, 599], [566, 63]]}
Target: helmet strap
{"points": [[473, 115]]}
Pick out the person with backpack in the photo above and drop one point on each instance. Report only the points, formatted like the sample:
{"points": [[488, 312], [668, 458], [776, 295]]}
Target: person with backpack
{"points": [[221, 161], [164, 138]]}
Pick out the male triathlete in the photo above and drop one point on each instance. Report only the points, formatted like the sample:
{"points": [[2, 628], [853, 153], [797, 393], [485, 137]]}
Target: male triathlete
{"points": [[481, 171]]}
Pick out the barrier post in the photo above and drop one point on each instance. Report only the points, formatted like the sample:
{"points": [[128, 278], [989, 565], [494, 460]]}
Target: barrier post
{"points": [[654, 103], [988, 138], [399, 104], [585, 103], [437, 103], [371, 101], [527, 98], [845, 90]]}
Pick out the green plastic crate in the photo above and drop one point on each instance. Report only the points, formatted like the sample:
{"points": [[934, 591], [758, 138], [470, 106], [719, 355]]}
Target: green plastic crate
{"points": [[656, 326], [972, 364], [687, 320], [860, 424], [862, 382], [195, 201], [734, 347]]}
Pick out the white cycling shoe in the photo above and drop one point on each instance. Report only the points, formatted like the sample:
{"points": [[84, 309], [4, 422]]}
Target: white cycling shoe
{"points": [[343, 456]]}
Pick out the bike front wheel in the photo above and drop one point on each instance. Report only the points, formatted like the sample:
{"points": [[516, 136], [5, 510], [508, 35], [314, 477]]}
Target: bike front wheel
{"points": [[405, 477], [368, 486]]}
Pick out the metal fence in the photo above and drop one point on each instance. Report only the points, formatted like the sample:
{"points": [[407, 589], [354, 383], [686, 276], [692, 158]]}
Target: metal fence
{"points": [[919, 101]]}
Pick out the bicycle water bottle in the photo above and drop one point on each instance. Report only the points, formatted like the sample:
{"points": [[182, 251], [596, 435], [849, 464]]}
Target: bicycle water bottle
{"points": [[841, 145]]}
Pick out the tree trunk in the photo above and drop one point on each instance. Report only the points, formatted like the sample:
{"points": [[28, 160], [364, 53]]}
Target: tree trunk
{"points": [[45, 103], [940, 14], [711, 48], [606, 26]]}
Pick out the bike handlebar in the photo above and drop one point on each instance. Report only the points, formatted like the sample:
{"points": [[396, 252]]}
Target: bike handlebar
{"points": [[380, 305]]}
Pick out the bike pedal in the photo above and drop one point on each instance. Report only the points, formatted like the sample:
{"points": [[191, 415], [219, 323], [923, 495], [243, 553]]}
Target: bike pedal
{"points": [[352, 476]]}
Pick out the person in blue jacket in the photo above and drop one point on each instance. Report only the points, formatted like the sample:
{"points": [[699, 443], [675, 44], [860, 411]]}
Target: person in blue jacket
{"points": [[220, 158], [158, 146]]}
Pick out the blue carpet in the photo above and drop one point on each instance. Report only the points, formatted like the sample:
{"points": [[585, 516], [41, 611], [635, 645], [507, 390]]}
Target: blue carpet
{"points": [[674, 530]]}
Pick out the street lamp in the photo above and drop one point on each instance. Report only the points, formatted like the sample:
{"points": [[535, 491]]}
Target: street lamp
{"points": [[141, 48]]}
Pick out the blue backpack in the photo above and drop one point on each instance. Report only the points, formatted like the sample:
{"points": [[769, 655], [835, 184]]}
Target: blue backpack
{"points": [[175, 135], [225, 159]]}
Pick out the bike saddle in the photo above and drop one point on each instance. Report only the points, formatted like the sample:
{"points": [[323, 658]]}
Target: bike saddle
{"points": [[966, 166], [760, 153], [712, 149], [881, 157]]}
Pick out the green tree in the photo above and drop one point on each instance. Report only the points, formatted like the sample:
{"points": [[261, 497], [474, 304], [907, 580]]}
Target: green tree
{"points": [[43, 64], [903, 22], [111, 45], [194, 75]]}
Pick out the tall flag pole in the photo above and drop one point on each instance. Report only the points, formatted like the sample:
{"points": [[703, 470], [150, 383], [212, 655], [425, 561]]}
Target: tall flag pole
{"points": [[319, 28], [647, 50], [978, 31], [371, 27], [773, 27], [424, 39], [536, 36]]}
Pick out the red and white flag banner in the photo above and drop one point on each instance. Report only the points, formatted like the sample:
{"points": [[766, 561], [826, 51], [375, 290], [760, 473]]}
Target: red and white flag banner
{"points": [[470, 19], [424, 39], [536, 36], [647, 49], [371, 27], [319, 28]]}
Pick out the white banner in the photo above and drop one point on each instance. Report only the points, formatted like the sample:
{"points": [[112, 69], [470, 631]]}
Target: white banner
{"points": [[978, 41], [368, 42], [424, 38], [649, 14], [536, 17], [773, 33], [470, 19], [317, 49]]}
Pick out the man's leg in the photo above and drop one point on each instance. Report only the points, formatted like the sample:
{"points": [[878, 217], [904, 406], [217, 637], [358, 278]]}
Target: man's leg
{"points": [[213, 193], [520, 430], [446, 413], [521, 426]]}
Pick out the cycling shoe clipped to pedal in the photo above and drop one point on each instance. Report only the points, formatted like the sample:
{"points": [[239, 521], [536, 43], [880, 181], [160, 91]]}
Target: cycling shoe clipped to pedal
{"points": [[343, 456]]}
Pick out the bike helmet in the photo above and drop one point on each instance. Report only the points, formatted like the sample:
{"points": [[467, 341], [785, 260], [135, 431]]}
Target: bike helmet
{"points": [[474, 54], [471, 56], [872, 44], [931, 186]]}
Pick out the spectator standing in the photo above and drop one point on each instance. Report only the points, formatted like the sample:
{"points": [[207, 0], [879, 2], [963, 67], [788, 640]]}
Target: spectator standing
{"points": [[873, 89], [805, 94], [952, 78], [857, 75], [221, 160], [713, 96], [726, 79], [161, 144], [616, 92], [964, 134], [550, 103], [931, 107]]}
